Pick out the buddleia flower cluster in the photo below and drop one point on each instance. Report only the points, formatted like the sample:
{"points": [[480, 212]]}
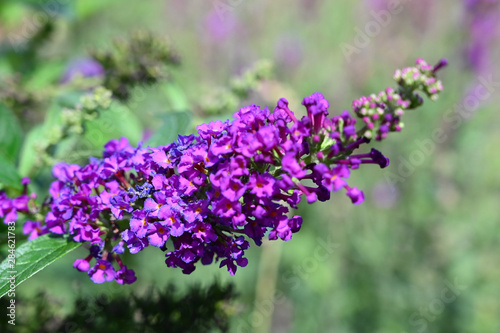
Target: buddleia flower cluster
{"points": [[205, 196]]}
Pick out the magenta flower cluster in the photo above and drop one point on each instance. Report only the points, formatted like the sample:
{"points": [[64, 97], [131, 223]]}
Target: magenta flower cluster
{"points": [[197, 198]]}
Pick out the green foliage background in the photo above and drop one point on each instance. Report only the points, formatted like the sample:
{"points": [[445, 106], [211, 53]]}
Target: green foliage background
{"points": [[393, 258]]}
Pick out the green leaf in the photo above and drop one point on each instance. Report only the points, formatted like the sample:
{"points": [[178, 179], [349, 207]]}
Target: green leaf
{"points": [[45, 75], [69, 99], [86, 8], [53, 117], [11, 134], [33, 256], [8, 174], [173, 124], [28, 153], [39, 133]]}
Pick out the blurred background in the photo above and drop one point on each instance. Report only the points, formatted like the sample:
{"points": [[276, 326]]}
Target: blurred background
{"points": [[420, 254]]}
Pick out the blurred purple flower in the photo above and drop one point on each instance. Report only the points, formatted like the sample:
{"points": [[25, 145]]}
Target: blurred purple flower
{"points": [[220, 26], [378, 4], [86, 67], [310, 7], [289, 51], [475, 5], [419, 11]]}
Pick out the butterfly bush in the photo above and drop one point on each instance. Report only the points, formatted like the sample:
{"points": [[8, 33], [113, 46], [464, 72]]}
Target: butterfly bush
{"points": [[203, 197], [482, 23]]}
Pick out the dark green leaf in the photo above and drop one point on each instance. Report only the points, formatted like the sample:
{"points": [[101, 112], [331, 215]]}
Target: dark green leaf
{"points": [[173, 124], [33, 256], [11, 135]]}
